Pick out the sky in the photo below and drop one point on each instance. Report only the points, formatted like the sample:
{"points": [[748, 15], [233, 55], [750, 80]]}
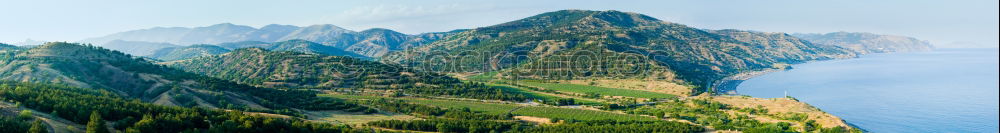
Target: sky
{"points": [[951, 23]]}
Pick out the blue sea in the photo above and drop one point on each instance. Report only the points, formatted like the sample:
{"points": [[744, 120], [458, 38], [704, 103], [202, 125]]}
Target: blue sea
{"points": [[946, 90]]}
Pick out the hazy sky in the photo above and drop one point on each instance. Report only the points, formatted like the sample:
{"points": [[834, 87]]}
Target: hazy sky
{"points": [[942, 22]]}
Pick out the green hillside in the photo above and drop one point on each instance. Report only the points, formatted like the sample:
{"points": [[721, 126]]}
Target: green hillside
{"points": [[93, 67], [8, 47], [580, 44], [87, 106], [293, 45], [187, 52], [287, 69]]}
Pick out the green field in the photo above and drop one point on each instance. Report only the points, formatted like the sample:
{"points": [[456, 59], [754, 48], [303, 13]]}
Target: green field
{"points": [[578, 114], [490, 108], [483, 77], [575, 88], [338, 117], [545, 96], [498, 108], [341, 96], [536, 111]]}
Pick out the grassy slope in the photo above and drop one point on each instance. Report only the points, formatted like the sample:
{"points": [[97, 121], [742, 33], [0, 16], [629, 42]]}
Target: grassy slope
{"points": [[546, 96], [340, 117], [497, 108], [575, 88]]}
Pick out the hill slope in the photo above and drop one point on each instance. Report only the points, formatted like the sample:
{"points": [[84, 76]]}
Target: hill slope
{"points": [[868, 42], [97, 68], [288, 69], [574, 44], [786, 46], [293, 45], [187, 52], [8, 47]]}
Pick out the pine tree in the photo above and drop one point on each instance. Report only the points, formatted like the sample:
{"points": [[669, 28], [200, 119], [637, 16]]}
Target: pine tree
{"points": [[37, 127], [96, 124]]}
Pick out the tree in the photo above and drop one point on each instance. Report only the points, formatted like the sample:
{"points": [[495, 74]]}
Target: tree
{"points": [[24, 115], [660, 115], [96, 124], [37, 127], [444, 128]]}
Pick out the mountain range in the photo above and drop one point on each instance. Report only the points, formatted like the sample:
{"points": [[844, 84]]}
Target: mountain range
{"points": [[567, 70], [138, 48], [864, 43], [580, 44], [371, 43], [548, 39]]}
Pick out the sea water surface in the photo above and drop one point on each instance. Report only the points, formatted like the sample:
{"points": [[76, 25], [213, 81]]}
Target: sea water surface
{"points": [[946, 90]]}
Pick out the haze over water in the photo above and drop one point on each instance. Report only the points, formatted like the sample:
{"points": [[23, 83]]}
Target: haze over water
{"points": [[947, 90]]}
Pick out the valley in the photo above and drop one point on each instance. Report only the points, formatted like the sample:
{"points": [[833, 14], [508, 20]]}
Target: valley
{"points": [[560, 71]]}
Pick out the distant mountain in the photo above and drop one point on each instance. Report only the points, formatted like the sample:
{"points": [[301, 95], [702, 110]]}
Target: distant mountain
{"points": [[158, 34], [270, 33], [187, 52], [214, 34], [29, 42], [868, 42], [377, 42], [371, 43], [576, 44], [136, 48], [293, 45], [780, 44], [245, 44], [326, 34], [127, 76]]}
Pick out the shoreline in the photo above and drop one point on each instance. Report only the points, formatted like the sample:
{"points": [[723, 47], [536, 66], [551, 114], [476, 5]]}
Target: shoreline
{"points": [[727, 85]]}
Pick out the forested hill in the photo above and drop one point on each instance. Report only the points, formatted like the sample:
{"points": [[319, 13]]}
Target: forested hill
{"points": [[575, 44], [786, 46], [293, 45], [7, 47], [93, 67], [289, 69], [865, 43], [103, 111], [187, 52], [303, 70]]}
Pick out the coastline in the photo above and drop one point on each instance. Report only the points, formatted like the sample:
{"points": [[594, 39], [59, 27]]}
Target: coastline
{"points": [[727, 85]]}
